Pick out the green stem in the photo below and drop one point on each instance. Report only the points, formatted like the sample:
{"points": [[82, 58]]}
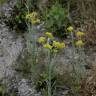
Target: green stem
{"points": [[51, 58], [49, 74], [73, 52], [49, 81]]}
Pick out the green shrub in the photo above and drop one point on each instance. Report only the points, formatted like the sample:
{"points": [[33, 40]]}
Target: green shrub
{"points": [[55, 16], [56, 20]]}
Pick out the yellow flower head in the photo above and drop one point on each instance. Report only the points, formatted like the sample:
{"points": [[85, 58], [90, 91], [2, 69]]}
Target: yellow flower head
{"points": [[31, 15], [42, 40], [35, 21], [27, 16], [79, 34], [58, 45], [34, 14], [49, 35], [70, 29], [63, 45], [79, 43], [47, 46]]}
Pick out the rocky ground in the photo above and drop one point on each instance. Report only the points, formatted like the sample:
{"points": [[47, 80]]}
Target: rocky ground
{"points": [[11, 46]]}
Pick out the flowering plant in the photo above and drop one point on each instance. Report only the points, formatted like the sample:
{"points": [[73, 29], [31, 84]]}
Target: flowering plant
{"points": [[54, 45]]}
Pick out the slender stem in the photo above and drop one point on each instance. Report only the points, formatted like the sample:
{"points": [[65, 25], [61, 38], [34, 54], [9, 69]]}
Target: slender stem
{"points": [[73, 52], [49, 74], [49, 81]]}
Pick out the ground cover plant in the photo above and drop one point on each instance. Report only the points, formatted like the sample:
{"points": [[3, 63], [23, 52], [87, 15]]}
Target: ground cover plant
{"points": [[53, 47], [55, 56]]}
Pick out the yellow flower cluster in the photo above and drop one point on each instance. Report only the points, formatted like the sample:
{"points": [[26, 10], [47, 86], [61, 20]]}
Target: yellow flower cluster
{"points": [[32, 17], [79, 34], [58, 45], [70, 29], [79, 43], [49, 35], [47, 46], [42, 40], [55, 46]]}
